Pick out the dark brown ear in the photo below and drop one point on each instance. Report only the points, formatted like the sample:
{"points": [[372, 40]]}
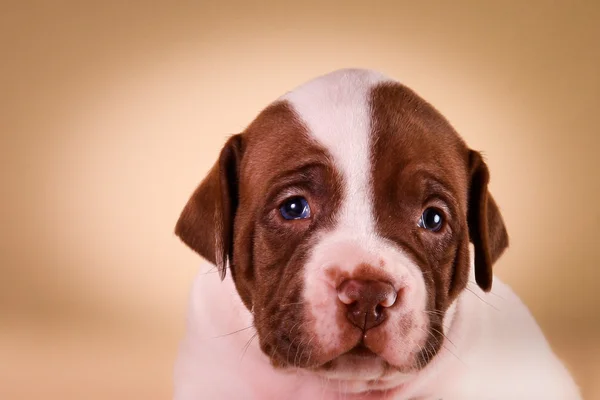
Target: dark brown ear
{"points": [[206, 222], [486, 227]]}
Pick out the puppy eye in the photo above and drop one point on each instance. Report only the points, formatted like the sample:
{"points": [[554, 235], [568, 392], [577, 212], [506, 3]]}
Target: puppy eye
{"points": [[295, 208], [432, 219]]}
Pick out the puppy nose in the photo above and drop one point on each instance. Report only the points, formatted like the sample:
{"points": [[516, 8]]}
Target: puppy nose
{"points": [[366, 301]]}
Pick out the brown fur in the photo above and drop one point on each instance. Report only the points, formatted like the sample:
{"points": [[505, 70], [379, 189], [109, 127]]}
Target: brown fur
{"points": [[420, 161]]}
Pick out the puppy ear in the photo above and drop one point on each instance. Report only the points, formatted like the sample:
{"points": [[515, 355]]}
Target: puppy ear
{"points": [[206, 222], [486, 227]]}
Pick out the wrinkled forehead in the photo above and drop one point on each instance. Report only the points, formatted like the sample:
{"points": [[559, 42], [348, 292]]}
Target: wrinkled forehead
{"points": [[355, 120]]}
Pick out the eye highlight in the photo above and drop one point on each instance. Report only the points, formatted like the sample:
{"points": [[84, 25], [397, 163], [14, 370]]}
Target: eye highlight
{"points": [[432, 219], [295, 208]]}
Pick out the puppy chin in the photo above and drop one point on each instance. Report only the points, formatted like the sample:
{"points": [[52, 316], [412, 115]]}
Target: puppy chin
{"points": [[350, 367], [351, 374], [363, 369]]}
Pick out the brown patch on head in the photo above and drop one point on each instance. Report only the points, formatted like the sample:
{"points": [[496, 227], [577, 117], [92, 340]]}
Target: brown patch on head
{"points": [[270, 252], [234, 216], [419, 161]]}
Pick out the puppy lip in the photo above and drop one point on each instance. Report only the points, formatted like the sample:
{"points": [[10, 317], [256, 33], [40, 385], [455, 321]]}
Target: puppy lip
{"points": [[361, 351]]}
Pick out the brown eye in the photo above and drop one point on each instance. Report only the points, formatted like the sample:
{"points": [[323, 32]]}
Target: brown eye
{"points": [[432, 219]]}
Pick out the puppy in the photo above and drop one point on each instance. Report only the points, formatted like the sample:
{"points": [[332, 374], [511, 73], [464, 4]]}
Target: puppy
{"points": [[355, 236]]}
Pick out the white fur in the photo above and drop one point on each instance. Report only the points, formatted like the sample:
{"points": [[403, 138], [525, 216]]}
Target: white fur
{"points": [[495, 349]]}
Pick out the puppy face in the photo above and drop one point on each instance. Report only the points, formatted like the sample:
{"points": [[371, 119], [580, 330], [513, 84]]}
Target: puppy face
{"points": [[344, 213]]}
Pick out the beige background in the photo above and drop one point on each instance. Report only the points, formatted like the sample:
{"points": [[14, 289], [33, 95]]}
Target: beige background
{"points": [[110, 114]]}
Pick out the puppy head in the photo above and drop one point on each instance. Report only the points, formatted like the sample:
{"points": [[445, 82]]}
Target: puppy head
{"points": [[344, 213]]}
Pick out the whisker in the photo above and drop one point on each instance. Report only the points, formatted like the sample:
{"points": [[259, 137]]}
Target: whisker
{"points": [[307, 346], [435, 312], [444, 335], [213, 270], [430, 354], [476, 295], [298, 324], [444, 325], [246, 328], [234, 332], [291, 304], [248, 345], [491, 293], [274, 350], [310, 352], [455, 356], [295, 364], [450, 351], [268, 334], [419, 358]]}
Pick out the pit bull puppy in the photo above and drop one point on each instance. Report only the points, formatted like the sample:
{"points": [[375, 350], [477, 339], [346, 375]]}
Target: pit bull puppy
{"points": [[354, 235]]}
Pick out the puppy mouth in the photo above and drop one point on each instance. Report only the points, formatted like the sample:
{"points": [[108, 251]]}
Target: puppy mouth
{"points": [[360, 351], [358, 357], [361, 369], [357, 353]]}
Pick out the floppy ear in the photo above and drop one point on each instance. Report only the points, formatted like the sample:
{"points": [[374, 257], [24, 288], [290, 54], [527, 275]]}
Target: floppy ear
{"points": [[486, 227], [206, 222]]}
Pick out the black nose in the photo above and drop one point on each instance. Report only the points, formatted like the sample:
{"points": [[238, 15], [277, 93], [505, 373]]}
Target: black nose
{"points": [[366, 301]]}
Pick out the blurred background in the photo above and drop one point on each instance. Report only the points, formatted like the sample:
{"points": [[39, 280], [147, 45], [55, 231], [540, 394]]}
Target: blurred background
{"points": [[112, 112]]}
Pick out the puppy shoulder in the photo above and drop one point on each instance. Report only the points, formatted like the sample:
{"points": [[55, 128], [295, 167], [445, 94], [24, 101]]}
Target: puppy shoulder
{"points": [[213, 361], [512, 357]]}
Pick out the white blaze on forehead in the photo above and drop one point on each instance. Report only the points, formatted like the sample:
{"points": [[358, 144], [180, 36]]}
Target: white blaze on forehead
{"points": [[336, 110]]}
